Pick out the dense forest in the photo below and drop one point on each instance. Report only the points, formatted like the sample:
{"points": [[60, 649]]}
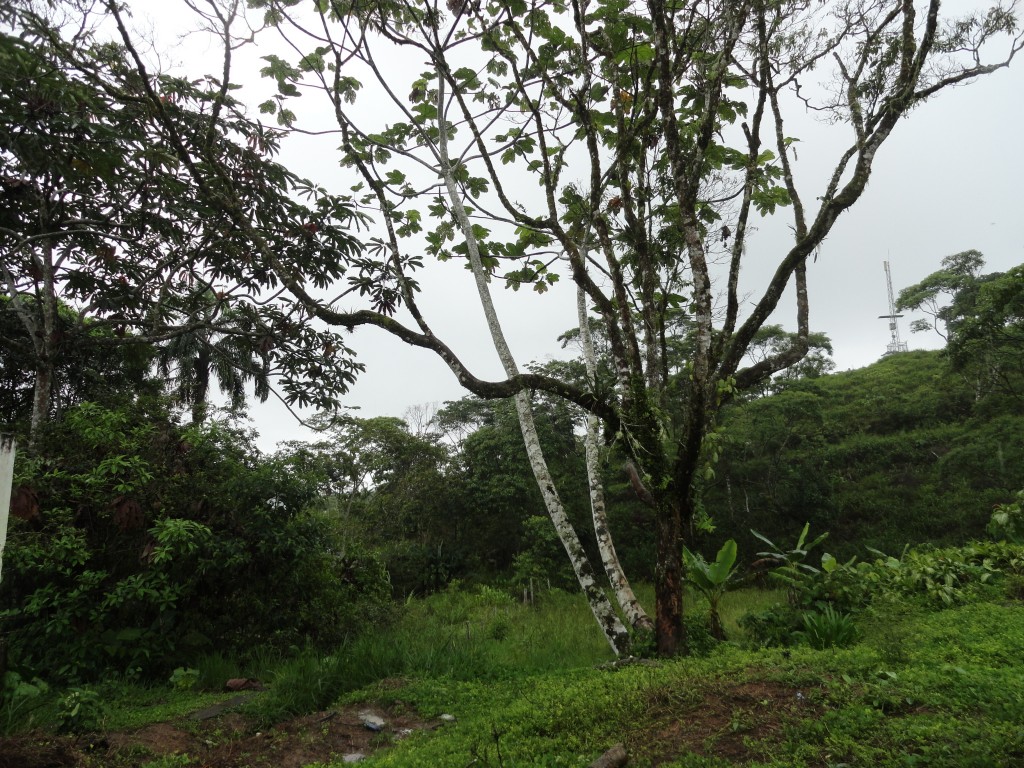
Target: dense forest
{"points": [[140, 541]]}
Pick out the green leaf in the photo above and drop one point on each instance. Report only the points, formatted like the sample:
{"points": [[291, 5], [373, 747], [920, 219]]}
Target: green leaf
{"points": [[697, 571], [721, 569], [466, 79], [313, 62]]}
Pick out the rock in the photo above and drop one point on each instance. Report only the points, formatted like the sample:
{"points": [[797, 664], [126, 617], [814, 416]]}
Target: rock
{"points": [[613, 758], [371, 721], [355, 757], [243, 684], [446, 718]]}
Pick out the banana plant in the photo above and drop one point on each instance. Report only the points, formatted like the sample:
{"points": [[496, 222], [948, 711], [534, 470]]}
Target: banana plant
{"points": [[712, 579], [791, 570]]}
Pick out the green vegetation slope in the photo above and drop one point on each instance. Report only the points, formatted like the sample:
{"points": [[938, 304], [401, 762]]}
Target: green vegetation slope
{"points": [[901, 451]]}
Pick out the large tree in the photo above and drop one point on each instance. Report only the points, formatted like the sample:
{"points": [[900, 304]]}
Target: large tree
{"points": [[981, 319], [656, 134], [107, 212], [651, 136]]}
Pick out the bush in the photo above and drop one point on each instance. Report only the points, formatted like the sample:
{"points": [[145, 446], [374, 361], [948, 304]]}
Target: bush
{"points": [[828, 629], [18, 698], [944, 577], [146, 545], [1007, 523], [772, 628], [80, 710]]}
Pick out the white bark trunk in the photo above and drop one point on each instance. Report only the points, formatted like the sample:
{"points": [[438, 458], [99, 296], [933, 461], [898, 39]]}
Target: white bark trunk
{"points": [[624, 594], [45, 347], [7, 450], [604, 613]]}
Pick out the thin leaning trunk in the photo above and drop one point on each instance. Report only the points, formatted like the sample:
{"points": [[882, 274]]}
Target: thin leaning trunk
{"points": [[604, 613], [624, 594]]}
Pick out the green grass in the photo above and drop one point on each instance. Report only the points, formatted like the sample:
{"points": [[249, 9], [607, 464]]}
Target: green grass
{"points": [[123, 706], [955, 699], [528, 687], [463, 635], [456, 635]]}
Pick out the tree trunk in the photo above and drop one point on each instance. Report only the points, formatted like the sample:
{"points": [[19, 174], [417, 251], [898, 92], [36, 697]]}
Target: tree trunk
{"points": [[668, 580], [44, 341], [604, 613], [201, 389], [614, 631], [8, 449], [624, 594], [42, 393]]}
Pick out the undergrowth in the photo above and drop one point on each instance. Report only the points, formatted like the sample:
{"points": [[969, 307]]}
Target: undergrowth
{"points": [[921, 683]]}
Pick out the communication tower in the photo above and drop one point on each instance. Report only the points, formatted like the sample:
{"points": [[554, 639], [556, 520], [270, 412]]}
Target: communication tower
{"points": [[895, 345]]}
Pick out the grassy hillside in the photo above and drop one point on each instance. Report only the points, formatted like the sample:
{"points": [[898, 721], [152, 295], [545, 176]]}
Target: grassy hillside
{"points": [[474, 678], [902, 451]]}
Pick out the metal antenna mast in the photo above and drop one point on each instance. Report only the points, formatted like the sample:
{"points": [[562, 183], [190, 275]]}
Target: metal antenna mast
{"points": [[895, 345]]}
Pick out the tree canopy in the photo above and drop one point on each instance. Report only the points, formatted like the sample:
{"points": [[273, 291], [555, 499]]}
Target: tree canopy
{"points": [[112, 213]]}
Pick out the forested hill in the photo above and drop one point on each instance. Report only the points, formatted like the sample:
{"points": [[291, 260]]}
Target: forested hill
{"points": [[902, 451]]}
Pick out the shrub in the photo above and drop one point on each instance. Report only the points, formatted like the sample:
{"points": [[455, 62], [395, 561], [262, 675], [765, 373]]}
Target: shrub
{"points": [[152, 544], [712, 580], [772, 628], [828, 629], [18, 697], [80, 710], [1007, 522]]}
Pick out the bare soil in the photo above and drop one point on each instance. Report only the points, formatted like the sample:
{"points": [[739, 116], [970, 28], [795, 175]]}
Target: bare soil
{"points": [[228, 740], [735, 722]]}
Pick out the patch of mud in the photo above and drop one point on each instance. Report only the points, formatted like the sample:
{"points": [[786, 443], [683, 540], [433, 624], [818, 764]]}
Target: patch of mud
{"points": [[322, 736], [725, 722]]}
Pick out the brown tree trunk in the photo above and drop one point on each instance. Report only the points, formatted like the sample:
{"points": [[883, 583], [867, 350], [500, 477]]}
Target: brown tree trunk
{"points": [[670, 636]]}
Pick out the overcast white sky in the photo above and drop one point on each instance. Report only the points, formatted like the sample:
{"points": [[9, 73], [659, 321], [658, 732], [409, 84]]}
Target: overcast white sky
{"points": [[949, 179]]}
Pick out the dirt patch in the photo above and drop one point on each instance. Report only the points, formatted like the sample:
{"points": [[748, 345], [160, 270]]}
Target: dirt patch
{"points": [[33, 753], [226, 741], [725, 722], [156, 739]]}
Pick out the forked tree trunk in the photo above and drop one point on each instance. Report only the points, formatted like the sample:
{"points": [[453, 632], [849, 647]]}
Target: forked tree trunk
{"points": [[624, 594], [604, 613]]}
